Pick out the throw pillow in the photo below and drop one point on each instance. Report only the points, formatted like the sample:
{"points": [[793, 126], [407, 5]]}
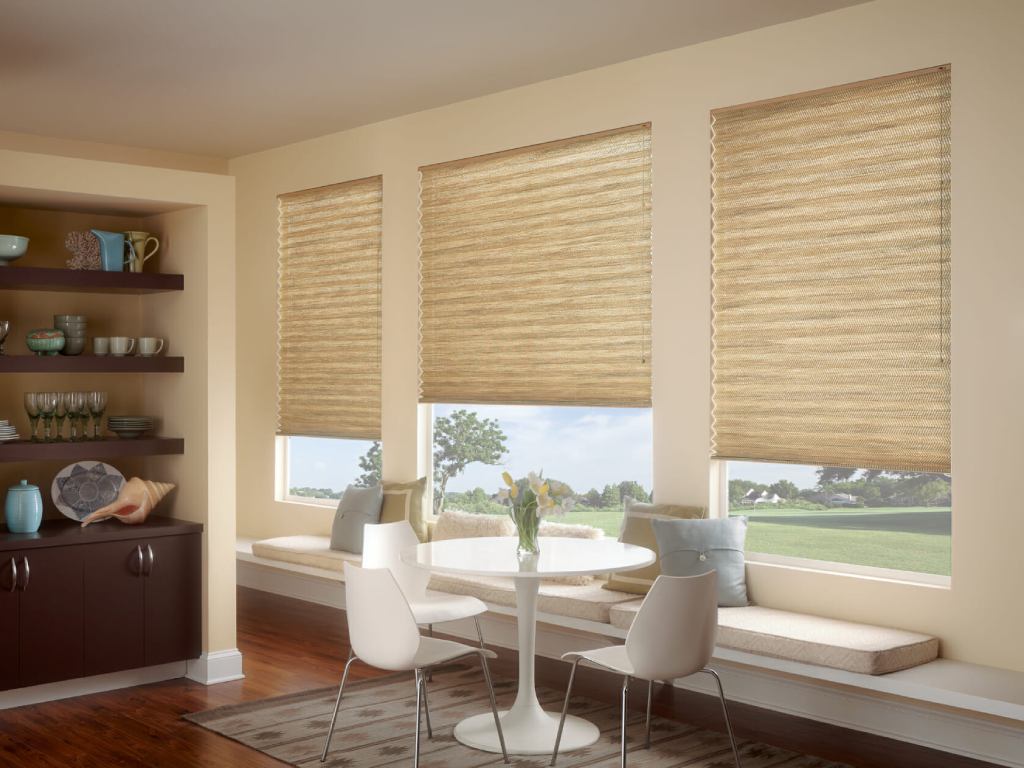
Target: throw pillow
{"points": [[454, 524], [570, 531], [636, 529], [404, 501], [693, 547], [358, 506]]}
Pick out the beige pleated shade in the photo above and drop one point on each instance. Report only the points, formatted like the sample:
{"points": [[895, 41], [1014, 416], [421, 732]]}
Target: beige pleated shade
{"points": [[536, 274], [831, 257], [329, 311]]}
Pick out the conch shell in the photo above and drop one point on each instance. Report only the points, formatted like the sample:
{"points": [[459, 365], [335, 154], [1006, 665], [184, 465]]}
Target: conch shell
{"points": [[133, 504]]}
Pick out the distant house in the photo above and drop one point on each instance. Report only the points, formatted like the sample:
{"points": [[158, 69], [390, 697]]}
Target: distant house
{"points": [[843, 500], [753, 497]]}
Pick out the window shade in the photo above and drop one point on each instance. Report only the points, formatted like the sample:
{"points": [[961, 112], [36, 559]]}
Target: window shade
{"points": [[536, 274], [831, 261], [329, 311]]}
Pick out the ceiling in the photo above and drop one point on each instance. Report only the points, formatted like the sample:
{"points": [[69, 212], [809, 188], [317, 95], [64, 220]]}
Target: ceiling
{"points": [[228, 77]]}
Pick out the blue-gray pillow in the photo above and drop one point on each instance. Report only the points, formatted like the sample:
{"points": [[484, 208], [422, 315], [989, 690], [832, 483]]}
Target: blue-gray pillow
{"points": [[693, 547], [358, 506]]}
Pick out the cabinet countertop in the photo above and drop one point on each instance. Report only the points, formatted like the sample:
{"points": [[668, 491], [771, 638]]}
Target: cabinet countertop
{"points": [[61, 533]]}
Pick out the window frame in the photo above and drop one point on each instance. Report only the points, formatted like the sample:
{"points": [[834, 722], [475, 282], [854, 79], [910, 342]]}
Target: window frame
{"points": [[282, 477]]}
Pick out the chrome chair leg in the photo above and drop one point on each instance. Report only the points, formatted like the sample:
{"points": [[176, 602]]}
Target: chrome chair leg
{"points": [[430, 633], [494, 706], [479, 633], [426, 708], [650, 691], [419, 704], [565, 709], [337, 706], [725, 713], [625, 700]]}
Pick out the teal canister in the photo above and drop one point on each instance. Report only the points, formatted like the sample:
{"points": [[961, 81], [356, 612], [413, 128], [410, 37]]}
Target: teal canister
{"points": [[23, 509]]}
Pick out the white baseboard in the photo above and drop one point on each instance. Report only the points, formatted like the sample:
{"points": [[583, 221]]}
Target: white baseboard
{"points": [[216, 667], [943, 728], [82, 686]]}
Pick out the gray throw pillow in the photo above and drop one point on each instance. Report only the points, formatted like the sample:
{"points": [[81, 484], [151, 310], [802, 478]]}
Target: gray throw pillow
{"points": [[358, 506], [693, 547]]}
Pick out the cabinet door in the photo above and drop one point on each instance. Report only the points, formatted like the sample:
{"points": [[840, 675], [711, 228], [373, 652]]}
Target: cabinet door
{"points": [[114, 607], [8, 621], [173, 599], [51, 614]]}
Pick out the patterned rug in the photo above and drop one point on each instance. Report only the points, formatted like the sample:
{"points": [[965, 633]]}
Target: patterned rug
{"points": [[375, 728]]}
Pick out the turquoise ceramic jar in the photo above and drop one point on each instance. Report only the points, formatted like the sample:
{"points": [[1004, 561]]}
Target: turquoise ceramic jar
{"points": [[23, 509]]}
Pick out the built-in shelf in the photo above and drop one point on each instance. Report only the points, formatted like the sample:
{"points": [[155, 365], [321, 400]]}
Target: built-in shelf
{"points": [[87, 280], [89, 364], [108, 448]]}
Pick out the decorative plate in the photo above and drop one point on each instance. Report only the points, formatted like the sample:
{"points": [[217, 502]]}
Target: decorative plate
{"points": [[82, 488]]}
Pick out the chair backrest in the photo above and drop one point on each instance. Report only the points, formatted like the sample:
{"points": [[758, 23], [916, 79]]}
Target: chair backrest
{"points": [[382, 547], [381, 627], [673, 634]]}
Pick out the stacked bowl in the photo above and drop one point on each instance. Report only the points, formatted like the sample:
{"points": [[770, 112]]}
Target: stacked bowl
{"points": [[129, 427], [74, 332]]}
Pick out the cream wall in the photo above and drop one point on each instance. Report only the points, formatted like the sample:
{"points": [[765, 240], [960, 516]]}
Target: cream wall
{"points": [[978, 618]]}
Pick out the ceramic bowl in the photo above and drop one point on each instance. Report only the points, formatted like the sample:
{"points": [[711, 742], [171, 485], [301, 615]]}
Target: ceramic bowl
{"points": [[58, 319], [45, 341], [12, 247], [73, 345]]}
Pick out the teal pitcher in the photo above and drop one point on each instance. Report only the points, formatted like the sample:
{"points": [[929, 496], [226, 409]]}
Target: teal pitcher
{"points": [[111, 250]]}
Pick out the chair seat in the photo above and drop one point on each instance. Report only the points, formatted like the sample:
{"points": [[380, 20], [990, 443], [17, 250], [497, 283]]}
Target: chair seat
{"points": [[437, 607], [434, 651], [614, 657]]}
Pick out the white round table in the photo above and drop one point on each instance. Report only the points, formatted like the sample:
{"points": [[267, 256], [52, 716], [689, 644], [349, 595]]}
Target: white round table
{"points": [[527, 728]]}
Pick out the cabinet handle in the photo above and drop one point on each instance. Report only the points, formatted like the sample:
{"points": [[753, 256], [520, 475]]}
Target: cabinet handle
{"points": [[138, 559], [28, 573], [152, 559], [14, 576]]}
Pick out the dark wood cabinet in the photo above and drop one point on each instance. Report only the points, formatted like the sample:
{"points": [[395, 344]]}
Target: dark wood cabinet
{"points": [[81, 602]]}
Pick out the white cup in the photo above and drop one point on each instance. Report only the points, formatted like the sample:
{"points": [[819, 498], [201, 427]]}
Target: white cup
{"points": [[101, 345], [149, 346], [121, 345]]}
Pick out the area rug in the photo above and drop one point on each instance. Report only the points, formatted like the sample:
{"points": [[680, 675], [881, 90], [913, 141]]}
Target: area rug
{"points": [[375, 728]]}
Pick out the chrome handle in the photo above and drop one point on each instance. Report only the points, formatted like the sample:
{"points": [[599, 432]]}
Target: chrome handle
{"points": [[14, 576], [152, 559], [138, 559], [28, 573]]}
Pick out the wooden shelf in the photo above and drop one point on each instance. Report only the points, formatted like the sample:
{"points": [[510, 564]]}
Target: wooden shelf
{"points": [[89, 364], [60, 532], [87, 280], [108, 448]]}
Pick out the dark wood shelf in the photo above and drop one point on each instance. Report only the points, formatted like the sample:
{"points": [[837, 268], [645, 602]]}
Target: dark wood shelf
{"points": [[108, 448], [87, 280], [89, 364], [63, 532]]}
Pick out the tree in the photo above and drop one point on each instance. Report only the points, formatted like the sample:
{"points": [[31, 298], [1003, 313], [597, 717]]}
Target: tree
{"points": [[633, 490], [370, 463], [786, 489], [460, 439], [610, 496], [829, 475], [592, 498]]}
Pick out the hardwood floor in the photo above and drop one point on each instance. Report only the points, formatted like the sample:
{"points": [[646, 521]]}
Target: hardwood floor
{"points": [[292, 646]]}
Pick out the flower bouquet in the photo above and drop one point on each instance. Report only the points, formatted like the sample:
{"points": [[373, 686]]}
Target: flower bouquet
{"points": [[529, 499]]}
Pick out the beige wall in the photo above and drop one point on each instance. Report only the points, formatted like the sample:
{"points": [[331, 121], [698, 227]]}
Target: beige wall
{"points": [[194, 214], [979, 618]]}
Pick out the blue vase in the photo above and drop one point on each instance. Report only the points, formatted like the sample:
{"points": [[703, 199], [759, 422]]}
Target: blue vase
{"points": [[23, 508], [111, 250]]}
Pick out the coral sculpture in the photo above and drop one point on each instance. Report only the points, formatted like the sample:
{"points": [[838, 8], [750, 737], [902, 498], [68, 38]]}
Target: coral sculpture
{"points": [[85, 250]]}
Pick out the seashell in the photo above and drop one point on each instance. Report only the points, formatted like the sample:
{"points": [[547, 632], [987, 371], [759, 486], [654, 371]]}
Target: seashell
{"points": [[85, 249], [133, 504]]}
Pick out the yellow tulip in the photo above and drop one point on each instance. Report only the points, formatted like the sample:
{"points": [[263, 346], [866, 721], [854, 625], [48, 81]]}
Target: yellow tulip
{"points": [[543, 490], [513, 492], [508, 479]]}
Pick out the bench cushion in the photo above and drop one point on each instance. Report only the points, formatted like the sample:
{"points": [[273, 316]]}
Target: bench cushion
{"points": [[589, 601], [312, 551], [846, 645]]}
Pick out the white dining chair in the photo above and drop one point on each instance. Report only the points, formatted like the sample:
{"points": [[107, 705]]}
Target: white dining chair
{"points": [[673, 635], [384, 634], [382, 547]]}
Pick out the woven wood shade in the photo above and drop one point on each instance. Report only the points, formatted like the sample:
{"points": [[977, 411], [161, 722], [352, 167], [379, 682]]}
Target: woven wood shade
{"points": [[536, 274], [329, 311], [831, 266]]}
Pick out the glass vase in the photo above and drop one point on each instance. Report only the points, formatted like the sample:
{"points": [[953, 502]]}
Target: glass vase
{"points": [[527, 526]]}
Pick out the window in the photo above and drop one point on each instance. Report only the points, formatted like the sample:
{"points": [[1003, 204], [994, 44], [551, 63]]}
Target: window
{"points": [[316, 470], [603, 454], [894, 520], [831, 319]]}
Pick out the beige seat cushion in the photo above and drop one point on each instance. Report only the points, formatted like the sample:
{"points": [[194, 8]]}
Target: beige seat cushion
{"points": [[455, 524], [312, 551], [589, 602], [846, 645]]}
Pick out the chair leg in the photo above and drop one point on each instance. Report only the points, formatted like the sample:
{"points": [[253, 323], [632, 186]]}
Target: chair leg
{"points": [[565, 709], [430, 633], [479, 633], [426, 706], [625, 700], [725, 713], [419, 704], [337, 705], [494, 706], [650, 691]]}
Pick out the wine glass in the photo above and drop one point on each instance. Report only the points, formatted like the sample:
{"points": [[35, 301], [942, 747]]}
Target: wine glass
{"points": [[60, 413], [32, 409], [47, 405], [97, 404], [76, 405]]}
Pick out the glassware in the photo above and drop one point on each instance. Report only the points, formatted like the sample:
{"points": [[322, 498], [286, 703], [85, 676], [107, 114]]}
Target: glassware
{"points": [[76, 405], [97, 404], [47, 405], [60, 413], [32, 409]]}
